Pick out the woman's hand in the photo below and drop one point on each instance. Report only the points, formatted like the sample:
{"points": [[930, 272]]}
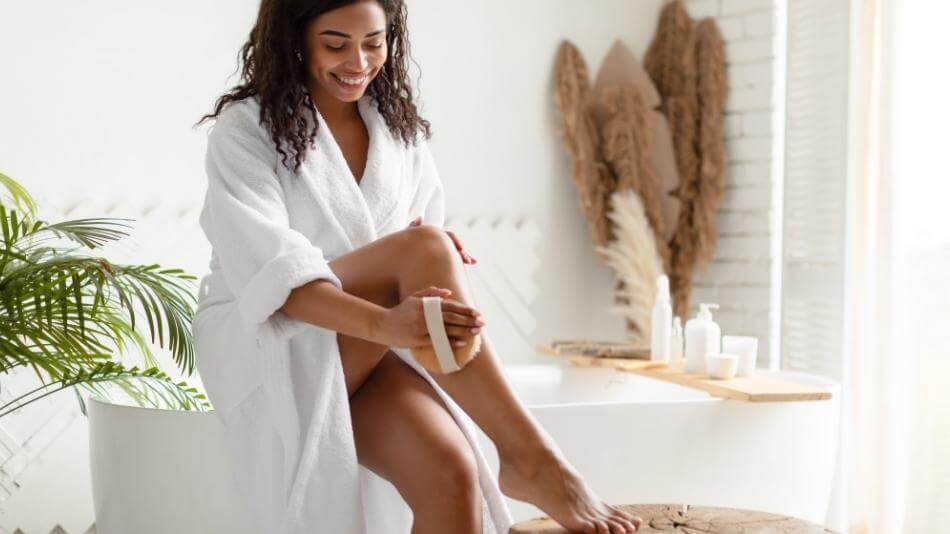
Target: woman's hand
{"points": [[466, 258], [405, 324]]}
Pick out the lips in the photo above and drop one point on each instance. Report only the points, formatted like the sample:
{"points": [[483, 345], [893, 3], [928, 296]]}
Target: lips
{"points": [[351, 81]]}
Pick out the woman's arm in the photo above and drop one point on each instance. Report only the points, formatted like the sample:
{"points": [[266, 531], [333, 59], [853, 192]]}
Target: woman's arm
{"points": [[337, 310]]}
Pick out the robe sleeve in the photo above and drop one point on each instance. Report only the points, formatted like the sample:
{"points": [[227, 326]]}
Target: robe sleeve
{"points": [[430, 194], [261, 257]]}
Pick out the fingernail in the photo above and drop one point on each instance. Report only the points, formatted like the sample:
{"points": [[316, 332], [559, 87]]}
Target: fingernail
{"points": [[459, 343], [474, 330]]}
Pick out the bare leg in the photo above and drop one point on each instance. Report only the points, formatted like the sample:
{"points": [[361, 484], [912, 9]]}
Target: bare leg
{"points": [[532, 467], [405, 434], [403, 431]]}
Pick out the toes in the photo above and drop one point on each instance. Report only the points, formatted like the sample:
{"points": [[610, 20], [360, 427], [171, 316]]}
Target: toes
{"points": [[602, 527], [629, 525], [629, 520], [616, 527]]}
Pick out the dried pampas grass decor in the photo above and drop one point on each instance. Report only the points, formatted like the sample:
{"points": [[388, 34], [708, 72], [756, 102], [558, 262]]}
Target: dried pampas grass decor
{"points": [[592, 180], [664, 57], [687, 63], [626, 146], [608, 132], [711, 92], [633, 256]]}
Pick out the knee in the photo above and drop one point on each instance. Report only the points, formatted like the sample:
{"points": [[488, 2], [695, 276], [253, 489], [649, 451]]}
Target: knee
{"points": [[451, 474], [456, 470], [430, 244]]}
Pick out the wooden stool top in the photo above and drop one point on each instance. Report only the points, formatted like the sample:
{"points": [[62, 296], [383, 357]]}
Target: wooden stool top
{"points": [[705, 519]]}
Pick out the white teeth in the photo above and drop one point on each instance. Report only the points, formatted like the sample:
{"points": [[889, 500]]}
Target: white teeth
{"points": [[351, 81]]}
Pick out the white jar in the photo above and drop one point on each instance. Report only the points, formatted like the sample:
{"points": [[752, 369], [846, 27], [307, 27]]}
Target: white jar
{"points": [[702, 337]]}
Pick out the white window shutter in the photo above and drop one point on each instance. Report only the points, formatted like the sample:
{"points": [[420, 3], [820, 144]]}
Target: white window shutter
{"points": [[815, 194]]}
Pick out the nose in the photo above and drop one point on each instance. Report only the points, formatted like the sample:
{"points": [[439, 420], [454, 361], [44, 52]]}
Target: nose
{"points": [[359, 62]]}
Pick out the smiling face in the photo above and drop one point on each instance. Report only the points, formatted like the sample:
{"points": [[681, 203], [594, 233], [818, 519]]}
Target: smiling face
{"points": [[344, 49]]}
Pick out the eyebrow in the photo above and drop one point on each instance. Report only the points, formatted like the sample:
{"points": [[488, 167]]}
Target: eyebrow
{"points": [[341, 34]]}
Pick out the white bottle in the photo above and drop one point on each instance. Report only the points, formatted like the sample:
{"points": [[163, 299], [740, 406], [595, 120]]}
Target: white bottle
{"points": [[702, 337], [662, 321], [676, 340]]}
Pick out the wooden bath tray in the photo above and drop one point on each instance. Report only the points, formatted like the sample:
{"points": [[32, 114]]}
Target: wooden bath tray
{"points": [[623, 364], [756, 388]]}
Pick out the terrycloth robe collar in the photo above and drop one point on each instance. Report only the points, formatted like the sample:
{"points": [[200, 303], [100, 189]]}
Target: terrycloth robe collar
{"points": [[351, 201]]}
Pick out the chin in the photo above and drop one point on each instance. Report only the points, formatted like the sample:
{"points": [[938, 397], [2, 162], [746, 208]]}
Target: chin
{"points": [[351, 97]]}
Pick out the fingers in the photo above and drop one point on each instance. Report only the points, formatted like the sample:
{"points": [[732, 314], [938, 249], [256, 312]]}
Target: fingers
{"points": [[425, 340], [453, 311], [459, 313], [460, 331], [466, 257], [455, 306], [433, 291], [458, 319], [461, 322]]}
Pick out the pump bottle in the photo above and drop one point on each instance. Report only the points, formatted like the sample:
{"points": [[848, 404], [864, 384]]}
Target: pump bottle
{"points": [[702, 337]]}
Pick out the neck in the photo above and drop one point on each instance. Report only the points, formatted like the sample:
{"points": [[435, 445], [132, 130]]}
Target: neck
{"points": [[332, 108]]}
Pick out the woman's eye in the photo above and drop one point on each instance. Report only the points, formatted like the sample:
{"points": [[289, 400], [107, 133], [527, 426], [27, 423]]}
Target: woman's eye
{"points": [[341, 47]]}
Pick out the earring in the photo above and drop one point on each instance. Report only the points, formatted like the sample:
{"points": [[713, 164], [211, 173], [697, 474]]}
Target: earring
{"points": [[299, 57]]}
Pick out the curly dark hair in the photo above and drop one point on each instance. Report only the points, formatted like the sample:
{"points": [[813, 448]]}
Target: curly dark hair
{"points": [[271, 72]]}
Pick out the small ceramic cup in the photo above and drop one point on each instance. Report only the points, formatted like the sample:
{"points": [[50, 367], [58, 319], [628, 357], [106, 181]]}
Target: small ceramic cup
{"points": [[746, 348], [721, 365]]}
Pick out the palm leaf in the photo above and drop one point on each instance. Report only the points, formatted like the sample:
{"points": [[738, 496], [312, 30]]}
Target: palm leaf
{"points": [[71, 318], [18, 195], [149, 387]]}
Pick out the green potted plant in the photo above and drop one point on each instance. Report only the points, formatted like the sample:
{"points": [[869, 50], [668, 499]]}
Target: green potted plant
{"points": [[71, 318]]}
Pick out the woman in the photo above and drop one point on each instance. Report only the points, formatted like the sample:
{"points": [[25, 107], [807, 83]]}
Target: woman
{"points": [[318, 154]]}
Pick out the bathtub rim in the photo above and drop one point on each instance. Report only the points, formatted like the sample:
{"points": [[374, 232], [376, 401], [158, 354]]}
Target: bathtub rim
{"points": [[823, 382], [565, 367]]}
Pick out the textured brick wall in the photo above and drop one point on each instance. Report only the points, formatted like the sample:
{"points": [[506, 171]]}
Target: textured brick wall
{"points": [[740, 276]]}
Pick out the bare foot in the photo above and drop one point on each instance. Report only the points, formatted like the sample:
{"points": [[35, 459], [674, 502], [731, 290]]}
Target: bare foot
{"points": [[546, 480]]}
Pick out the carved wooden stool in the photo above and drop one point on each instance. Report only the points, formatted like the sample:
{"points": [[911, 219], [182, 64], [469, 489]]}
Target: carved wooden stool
{"points": [[697, 519]]}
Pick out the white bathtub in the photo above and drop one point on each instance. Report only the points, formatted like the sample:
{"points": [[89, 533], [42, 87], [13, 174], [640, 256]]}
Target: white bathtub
{"points": [[640, 440], [635, 440]]}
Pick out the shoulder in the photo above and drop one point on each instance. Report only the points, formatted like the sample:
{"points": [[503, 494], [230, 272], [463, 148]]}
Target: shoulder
{"points": [[414, 148], [242, 118], [238, 126]]}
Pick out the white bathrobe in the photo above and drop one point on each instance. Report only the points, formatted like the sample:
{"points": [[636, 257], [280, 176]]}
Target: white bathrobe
{"points": [[277, 383]]}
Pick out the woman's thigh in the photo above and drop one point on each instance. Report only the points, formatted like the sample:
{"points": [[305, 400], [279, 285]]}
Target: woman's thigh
{"points": [[405, 434]]}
